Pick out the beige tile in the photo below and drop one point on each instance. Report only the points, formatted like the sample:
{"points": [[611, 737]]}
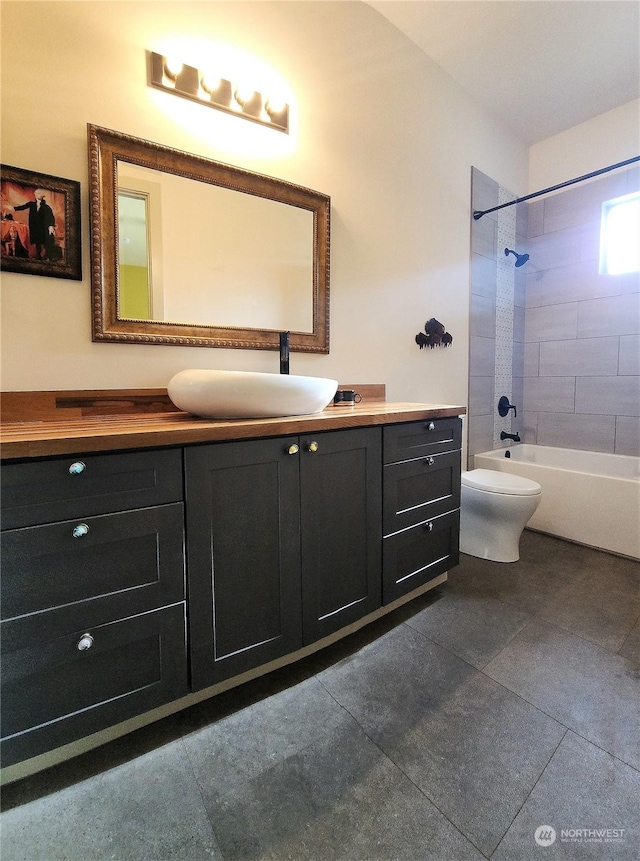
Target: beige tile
{"points": [[483, 237], [615, 396], [518, 359], [533, 281], [520, 287], [482, 321], [590, 242], [480, 396], [633, 179], [628, 436], [631, 282], [518, 323], [482, 356], [568, 430], [529, 422], [484, 192], [555, 249], [551, 322], [484, 275], [615, 315], [550, 394], [480, 434], [579, 357], [575, 282], [531, 359], [629, 364], [582, 203], [535, 220]]}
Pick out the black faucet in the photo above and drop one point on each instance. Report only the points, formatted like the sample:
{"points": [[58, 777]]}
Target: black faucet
{"points": [[284, 352], [504, 406], [514, 436]]}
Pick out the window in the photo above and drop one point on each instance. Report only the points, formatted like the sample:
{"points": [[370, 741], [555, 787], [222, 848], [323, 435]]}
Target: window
{"points": [[620, 235]]}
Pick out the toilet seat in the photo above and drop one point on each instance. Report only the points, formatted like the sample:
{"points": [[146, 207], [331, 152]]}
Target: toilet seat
{"points": [[493, 481]]}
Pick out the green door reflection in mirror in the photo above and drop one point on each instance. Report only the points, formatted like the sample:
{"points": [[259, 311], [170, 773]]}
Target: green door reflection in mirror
{"points": [[134, 294]]}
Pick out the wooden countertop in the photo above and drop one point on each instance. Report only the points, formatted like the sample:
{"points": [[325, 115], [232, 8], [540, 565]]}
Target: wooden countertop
{"points": [[35, 438]]}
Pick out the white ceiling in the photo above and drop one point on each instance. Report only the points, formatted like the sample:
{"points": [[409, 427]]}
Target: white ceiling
{"points": [[540, 66]]}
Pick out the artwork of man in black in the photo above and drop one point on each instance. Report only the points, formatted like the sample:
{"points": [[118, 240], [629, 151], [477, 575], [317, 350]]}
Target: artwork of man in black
{"points": [[41, 225]]}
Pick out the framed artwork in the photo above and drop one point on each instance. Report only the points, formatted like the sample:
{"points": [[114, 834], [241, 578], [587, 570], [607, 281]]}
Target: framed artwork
{"points": [[40, 224]]}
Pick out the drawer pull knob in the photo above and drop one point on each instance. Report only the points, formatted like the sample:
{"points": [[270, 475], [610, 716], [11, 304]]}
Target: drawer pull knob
{"points": [[293, 449], [429, 461], [80, 530], [429, 526], [85, 642], [313, 447], [431, 426], [77, 468]]}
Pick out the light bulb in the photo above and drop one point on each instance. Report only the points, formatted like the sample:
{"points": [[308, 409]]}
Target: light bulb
{"points": [[172, 67], [275, 104], [244, 94], [210, 81]]}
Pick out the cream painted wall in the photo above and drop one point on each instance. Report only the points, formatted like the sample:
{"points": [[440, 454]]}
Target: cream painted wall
{"points": [[377, 125], [606, 139]]}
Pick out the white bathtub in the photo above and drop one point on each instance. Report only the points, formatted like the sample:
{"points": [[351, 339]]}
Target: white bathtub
{"points": [[589, 497]]}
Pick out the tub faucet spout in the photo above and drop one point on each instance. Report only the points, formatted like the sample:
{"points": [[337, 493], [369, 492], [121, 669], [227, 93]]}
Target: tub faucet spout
{"points": [[514, 436]]}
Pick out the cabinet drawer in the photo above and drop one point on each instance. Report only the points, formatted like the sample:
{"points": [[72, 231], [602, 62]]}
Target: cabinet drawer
{"points": [[138, 553], [414, 556], [61, 488], [417, 439], [54, 693], [415, 490]]}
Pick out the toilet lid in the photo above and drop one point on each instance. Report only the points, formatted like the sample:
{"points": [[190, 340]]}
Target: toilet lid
{"points": [[493, 481]]}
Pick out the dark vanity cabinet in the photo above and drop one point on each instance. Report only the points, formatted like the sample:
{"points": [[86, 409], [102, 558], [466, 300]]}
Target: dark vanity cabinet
{"points": [[130, 580], [421, 509], [93, 595], [283, 540]]}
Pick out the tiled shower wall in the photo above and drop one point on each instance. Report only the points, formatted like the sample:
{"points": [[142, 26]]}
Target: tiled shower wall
{"points": [[575, 349], [582, 329], [496, 349]]}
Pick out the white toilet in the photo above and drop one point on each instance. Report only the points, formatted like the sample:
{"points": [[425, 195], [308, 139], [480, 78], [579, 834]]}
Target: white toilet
{"points": [[494, 509]]}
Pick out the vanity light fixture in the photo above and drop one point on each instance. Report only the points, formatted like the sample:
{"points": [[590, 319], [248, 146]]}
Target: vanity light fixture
{"points": [[198, 85]]}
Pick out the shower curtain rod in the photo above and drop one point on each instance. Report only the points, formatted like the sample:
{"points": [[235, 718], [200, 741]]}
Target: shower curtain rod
{"points": [[479, 213]]}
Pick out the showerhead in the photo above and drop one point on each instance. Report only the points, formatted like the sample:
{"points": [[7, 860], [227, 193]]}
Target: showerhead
{"points": [[521, 259]]}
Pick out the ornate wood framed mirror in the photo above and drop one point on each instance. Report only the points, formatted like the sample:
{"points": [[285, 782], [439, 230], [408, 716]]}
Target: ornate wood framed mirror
{"points": [[193, 252]]}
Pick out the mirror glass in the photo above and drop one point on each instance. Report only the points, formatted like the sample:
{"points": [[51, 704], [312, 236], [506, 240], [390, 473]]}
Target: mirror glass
{"points": [[186, 250], [248, 262]]}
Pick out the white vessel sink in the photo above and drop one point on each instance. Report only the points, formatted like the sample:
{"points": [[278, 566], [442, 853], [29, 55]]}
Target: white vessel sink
{"points": [[248, 394]]}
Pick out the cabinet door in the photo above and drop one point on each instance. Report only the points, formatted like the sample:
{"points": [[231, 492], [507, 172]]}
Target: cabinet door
{"points": [[243, 556], [341, 528]]}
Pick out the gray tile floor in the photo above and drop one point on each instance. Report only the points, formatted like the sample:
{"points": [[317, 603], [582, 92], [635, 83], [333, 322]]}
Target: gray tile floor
{"points": [[505, 700]]}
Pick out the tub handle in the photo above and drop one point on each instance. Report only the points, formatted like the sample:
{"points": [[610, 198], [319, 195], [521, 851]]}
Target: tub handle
{"points": [[504, 406]]}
